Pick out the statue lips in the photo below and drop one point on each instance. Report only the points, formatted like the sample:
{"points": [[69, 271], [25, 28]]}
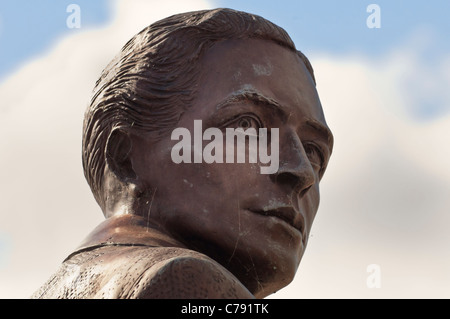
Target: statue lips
{"points": [[286, 213]]}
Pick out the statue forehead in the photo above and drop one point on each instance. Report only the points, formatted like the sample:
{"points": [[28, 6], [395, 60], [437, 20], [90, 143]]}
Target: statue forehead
{"points": [[254, 66]]}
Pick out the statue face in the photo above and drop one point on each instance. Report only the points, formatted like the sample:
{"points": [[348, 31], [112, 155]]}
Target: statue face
{"points": [[255, 224]]}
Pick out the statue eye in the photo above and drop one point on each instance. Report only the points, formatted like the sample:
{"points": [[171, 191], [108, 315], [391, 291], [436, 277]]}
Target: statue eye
{"points": [[248, 121], [314, 154]]}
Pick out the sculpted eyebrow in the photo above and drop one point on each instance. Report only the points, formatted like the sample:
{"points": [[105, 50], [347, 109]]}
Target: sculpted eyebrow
{"points": [[253, 96], [259, 98]]}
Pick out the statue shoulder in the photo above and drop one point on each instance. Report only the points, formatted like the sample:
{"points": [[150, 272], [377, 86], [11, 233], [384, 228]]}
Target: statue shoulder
{"points": [[190, 275], [129, 272]]}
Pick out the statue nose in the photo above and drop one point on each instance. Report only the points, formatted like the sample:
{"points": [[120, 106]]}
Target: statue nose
{"points": [[295, 168]]}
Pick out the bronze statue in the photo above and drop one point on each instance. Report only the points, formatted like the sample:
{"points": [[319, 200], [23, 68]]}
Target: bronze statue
{"points": [[198, 228]]}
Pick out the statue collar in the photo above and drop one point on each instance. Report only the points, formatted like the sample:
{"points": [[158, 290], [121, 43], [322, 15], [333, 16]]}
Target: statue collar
{"points": [[126, 230]]}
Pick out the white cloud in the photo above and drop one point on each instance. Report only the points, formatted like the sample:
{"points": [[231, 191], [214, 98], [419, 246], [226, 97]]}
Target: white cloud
{"points": [[423, 73], [384, 195]]}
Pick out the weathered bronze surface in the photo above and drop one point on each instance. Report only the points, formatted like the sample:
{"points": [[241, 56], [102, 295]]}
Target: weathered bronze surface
{"points": [[198, 230]]}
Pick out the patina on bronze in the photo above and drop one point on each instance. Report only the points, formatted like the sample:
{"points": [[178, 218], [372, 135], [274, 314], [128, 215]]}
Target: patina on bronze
{"points": [[198, 230]]}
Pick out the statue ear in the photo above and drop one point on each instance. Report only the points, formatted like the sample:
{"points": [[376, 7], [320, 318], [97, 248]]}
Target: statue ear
{"points": [[118, 151]]}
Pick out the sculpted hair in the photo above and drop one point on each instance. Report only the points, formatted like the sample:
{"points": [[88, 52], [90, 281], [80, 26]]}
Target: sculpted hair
{"points": [[150, 83]]}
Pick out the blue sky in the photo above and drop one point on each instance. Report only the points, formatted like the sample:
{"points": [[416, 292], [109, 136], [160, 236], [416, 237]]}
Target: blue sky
{"points": [[30, 27], [340, 26]]}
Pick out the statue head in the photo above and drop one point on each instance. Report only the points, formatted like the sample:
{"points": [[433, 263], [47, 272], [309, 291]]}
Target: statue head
{"points": [[211, 71]]}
